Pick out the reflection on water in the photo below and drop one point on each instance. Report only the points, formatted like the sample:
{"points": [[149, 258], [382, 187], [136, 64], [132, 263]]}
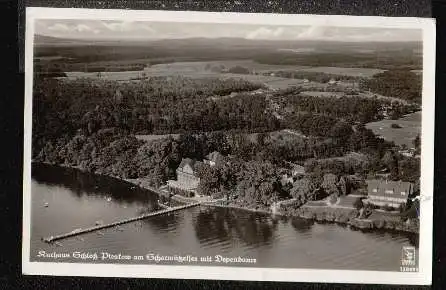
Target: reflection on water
{"points": [[75, 200], [224, 224], [302, 225], [85, 184], [163, 222]]}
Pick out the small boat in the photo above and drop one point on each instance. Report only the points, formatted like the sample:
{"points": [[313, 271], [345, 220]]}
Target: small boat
{"points": [[46, 204], [58, 243], [100, 233], [47, 240]]}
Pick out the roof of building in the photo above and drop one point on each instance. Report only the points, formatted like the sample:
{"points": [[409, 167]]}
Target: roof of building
{"points": [[298, 168], [389, 188], [213, 156], [188, 161]]}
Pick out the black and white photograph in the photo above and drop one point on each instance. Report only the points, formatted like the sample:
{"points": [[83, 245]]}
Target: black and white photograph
{"points": [[228, 146]]}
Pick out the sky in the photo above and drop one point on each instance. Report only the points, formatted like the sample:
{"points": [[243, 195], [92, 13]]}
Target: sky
{"points": [[98, 29]]}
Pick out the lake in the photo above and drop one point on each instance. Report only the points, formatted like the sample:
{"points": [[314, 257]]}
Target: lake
{"points": [[77, 200]]}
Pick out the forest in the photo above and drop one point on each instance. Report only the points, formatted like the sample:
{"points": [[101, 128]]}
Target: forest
{"points": [[180, 105], [345, 108], [91, 124], [389, 60], [401, 84], [320, 77]]}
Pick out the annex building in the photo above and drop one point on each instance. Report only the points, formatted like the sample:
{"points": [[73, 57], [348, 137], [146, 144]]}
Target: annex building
{"points": [[391, 193]]}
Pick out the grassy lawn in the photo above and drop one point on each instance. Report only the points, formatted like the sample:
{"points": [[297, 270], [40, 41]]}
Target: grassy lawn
{"points": [[316, 203], [410, 128], [347, 201]]}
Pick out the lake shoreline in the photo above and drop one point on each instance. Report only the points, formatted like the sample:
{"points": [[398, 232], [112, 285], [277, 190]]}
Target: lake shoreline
{"points": [[324, 216]]}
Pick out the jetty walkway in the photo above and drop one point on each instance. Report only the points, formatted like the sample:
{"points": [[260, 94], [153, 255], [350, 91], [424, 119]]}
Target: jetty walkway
{"points": [[99, 227]]}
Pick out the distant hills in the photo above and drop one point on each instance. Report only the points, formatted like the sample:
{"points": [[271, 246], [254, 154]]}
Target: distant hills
{"points": [[384, 55], [231, 43]]}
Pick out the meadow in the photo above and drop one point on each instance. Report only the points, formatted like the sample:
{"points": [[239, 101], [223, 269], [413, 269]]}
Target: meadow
{"points": [[200, 69], [410, 128]]}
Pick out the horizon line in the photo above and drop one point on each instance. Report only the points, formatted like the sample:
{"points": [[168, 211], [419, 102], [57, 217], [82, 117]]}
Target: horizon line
{"points": [[215, 38]]}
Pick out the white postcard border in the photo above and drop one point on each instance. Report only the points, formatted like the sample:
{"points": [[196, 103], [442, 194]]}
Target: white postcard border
{"points": [[423, 277]]}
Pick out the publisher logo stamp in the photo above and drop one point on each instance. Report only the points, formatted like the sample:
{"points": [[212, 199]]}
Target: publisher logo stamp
{"points": [[408, 259]]}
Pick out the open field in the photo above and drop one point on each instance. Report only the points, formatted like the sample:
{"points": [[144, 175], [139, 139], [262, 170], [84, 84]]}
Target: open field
{"points": [[410, 128], [201, 69], [272, 82]]}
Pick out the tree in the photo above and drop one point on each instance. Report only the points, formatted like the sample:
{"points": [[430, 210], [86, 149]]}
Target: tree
{"points": [[387, 207], [409, 169], [263, 138], [417, 144], [302, 188], [391, 162], [343, 186], [412, 211], [333, 199], [329, 184], [358, 204]]}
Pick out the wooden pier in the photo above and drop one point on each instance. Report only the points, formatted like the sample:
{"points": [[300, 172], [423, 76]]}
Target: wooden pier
{"points": [[99, 227]]}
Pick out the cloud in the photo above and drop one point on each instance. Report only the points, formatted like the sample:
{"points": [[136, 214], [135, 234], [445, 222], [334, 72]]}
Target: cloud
{"points": [[59, 27], [79, 28], [84, 28], [265, 33], [116, 26], [127, 26], [313, 32]]}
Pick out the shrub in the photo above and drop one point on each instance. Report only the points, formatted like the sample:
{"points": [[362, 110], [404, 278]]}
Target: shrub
{"points": [[387, 208], [333, 199], [358, 204]]}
